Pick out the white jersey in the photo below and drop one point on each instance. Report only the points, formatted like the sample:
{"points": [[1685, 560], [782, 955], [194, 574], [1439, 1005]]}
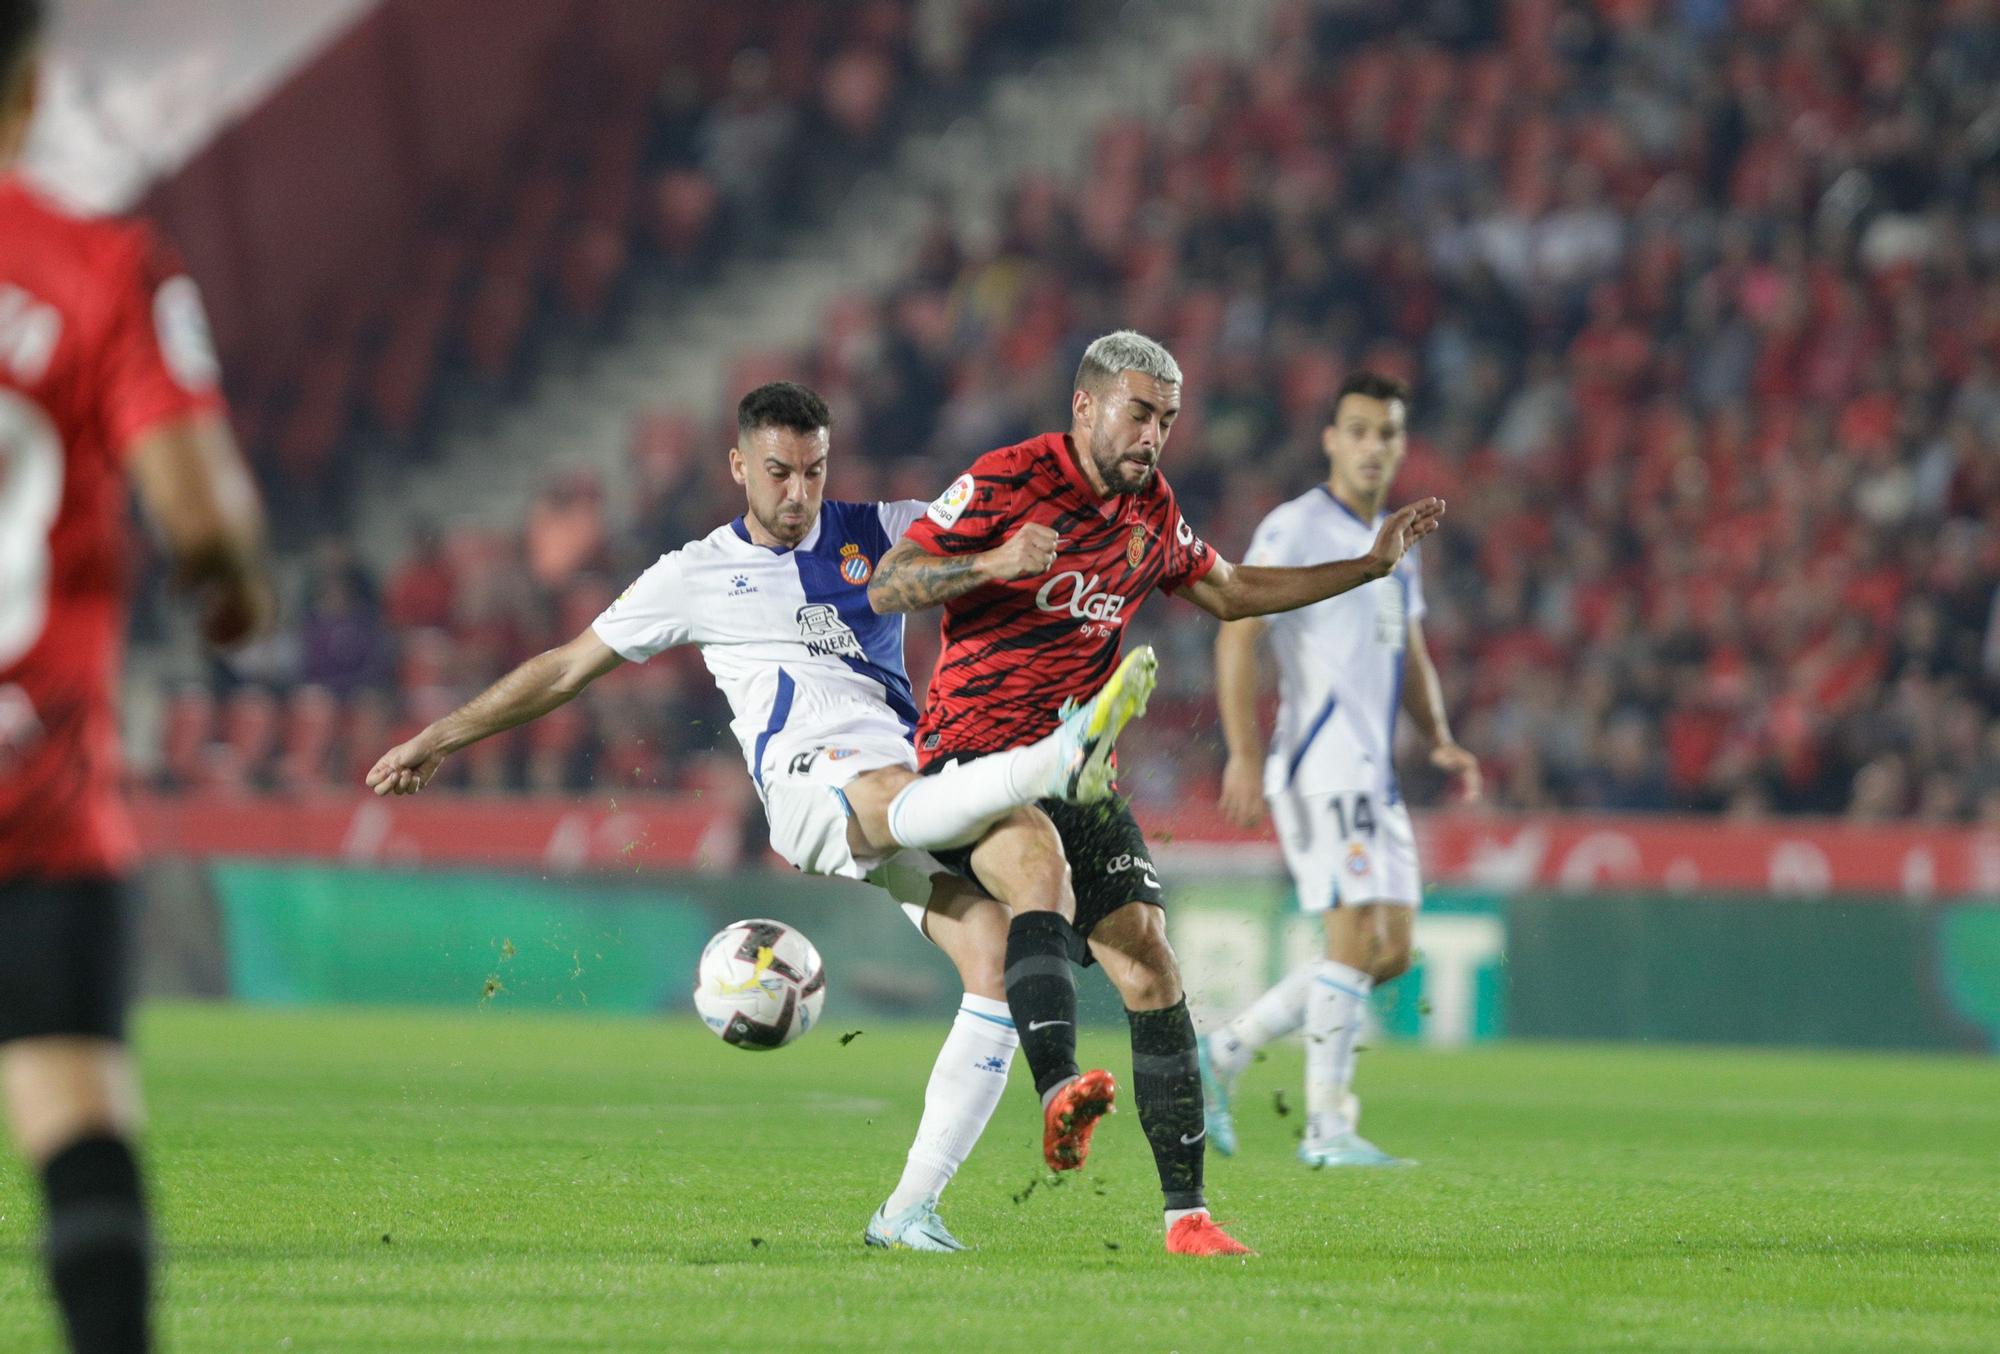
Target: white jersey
{"points": [[1340, 661], [788, 634]]}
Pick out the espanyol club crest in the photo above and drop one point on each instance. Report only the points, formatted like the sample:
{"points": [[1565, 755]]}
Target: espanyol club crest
{"points": [[1135, 549], [855, 567], [1357, 859]]}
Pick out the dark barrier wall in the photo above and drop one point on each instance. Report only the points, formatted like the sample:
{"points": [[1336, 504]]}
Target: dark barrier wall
{"points": [[1863, 973]]}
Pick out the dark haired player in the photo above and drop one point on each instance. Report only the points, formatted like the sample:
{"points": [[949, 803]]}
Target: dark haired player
{"points": [[1346, 667], [1094, 507], [105, 371], [777, 602]]}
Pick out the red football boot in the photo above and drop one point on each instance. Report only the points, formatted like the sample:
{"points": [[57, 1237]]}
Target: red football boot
{"points": [[1071, 1117], [1197, 1234]]}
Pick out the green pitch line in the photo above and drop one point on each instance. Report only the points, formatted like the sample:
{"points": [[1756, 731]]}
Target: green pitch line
{"points": [[388, 1182]]}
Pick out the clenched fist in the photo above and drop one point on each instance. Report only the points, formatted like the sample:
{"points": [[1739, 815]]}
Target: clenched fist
{"points": [[1028, 552], [405, 768]]}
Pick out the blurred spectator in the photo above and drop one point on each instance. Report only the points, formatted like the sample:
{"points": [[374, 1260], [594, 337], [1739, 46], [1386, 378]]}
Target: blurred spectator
{"points": [[342, 645], [420, 592], [745, 140]]}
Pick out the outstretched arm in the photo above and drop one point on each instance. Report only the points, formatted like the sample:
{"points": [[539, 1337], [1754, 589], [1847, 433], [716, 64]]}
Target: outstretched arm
{"points": [[910, 578], [533, 689], [1233, 591]]}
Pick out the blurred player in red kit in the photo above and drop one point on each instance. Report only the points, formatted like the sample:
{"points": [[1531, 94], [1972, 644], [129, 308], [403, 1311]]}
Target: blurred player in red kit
{"points": [[1040, 554], [105, 371]]}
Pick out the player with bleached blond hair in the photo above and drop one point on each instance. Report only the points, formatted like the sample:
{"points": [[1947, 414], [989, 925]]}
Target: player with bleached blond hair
{"points": [[1094, 496]]}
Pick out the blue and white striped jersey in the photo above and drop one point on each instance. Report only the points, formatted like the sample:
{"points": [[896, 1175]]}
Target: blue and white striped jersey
{"points": [[788, 634]]}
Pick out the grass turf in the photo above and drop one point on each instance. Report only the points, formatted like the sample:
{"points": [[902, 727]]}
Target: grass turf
{"points": [[404, 1181]]}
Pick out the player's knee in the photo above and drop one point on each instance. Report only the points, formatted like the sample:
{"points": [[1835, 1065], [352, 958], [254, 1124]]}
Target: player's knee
{"points": [[1153, 989], [1038, 868], [1150, 979], [61, 1090]]}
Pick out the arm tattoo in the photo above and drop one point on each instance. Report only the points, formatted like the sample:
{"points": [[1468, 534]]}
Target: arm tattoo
{"points": [[910, 579]]}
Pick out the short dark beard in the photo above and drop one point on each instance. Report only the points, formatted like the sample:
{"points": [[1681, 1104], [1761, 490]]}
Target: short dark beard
{"points": [[1113, 473], [777, 533]]}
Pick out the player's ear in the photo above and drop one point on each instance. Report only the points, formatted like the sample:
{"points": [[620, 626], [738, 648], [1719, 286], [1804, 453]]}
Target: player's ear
{"points": [[1080, 403], [736, 468]]}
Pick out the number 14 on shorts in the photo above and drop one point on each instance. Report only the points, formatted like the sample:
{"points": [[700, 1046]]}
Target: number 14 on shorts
{"points": [[1353, 815]]}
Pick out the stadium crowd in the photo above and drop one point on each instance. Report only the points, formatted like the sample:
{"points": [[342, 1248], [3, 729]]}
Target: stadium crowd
{"points": [[1701, 303]]}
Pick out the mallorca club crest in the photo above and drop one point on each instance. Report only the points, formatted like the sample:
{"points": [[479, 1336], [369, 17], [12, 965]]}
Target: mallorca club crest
{"points": [[1135, 548], [855, 567]]}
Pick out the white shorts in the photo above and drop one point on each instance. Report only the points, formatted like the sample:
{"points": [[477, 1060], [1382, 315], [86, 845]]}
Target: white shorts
{"points": [[805, 802], [1347, 847]]}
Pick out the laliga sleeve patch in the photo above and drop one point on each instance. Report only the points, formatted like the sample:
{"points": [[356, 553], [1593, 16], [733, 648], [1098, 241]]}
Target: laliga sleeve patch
{"points": [[951, 504], [182, 328]]}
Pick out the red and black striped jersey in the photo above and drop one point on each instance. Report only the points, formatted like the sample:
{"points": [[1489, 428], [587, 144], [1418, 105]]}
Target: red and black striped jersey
{"points": [[102, 340], [1014, 651]]}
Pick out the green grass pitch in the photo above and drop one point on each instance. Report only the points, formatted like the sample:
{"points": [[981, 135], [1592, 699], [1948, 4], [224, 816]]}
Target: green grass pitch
{"points": [[422, 1182]]}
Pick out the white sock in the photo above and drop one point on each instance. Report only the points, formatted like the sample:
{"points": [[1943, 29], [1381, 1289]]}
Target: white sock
{"points": [[966, 1083], [1336, 1006], [1272, 1016], [1174, 1215], [957, 805]]}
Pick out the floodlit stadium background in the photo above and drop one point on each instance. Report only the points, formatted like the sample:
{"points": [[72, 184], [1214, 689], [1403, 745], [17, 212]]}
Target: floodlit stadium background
{"points": [[1700, 299]]}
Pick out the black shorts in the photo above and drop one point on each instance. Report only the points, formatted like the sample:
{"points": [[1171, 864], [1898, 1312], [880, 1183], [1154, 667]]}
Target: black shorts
{"points": [[1109, 865], [64, 957]]}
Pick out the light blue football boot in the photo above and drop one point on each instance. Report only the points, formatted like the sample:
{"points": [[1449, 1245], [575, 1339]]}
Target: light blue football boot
{"points": [[916, 1228], [1347, 1149], [1215, 1102]]}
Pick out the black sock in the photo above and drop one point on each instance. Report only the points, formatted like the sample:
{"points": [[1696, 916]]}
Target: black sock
{"points": [[1041, 995], [1166, 1081], [98, 1245]]}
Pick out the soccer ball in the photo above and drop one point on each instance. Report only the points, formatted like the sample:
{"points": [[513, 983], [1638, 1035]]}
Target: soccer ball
{"points": [[759, 984]]}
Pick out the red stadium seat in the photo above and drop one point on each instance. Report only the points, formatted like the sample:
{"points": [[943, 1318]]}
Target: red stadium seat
{"points": [[188, 726], [312, 725]]}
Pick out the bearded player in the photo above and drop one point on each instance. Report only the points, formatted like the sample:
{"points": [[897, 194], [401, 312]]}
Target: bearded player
{"points": [[1346, 667], [823, 710], [105, 371], [1106, 522]]}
